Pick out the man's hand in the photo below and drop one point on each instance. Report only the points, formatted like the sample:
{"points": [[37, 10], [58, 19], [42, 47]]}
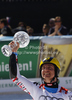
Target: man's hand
{"points": [[14, 46], [56, 28]]}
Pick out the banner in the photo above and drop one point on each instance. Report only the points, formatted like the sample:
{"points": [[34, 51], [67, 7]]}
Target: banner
{"points": [[60, 48], [39, 47]]}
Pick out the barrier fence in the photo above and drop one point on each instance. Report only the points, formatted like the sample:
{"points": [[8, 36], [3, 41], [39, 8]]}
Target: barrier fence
{"points": [[7, 85]]}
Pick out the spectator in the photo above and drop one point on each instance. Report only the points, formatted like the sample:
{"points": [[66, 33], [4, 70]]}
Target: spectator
{"points": [[27, 27], [70, 32], [51, 22], [21, 27], [58, 29], [5, 30], [8, 22], [30, 31], [45, 30]]}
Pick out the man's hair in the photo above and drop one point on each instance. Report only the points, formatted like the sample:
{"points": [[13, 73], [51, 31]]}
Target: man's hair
{"points": [[45, 26], [3, 21], [52, 19], [58, 17], [22, 24]]}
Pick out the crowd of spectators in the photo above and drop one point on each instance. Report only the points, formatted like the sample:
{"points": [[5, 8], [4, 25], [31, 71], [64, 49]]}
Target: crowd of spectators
{"points": [[6, 30], [53, 28]]}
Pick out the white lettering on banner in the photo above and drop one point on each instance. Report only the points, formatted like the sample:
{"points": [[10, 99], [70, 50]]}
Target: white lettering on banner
{"points": [[36, 52], [20, 66], [24, 67], [7, 67], [30, 63], [34, 47], [7, 85], [68, 81], [4, 67]]}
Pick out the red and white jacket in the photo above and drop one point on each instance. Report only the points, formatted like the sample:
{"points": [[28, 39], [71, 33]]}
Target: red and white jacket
{"points": [[38, 92]]}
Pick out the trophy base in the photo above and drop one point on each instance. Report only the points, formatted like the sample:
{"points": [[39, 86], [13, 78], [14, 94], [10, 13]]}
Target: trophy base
{"points": [[6, 50]]}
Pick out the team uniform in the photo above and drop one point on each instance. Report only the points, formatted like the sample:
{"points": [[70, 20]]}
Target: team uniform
{"points": [[38, 92]]}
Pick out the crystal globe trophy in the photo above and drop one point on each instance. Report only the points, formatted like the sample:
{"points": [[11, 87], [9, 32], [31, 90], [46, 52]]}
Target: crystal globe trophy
{"points": [[21, 37]]}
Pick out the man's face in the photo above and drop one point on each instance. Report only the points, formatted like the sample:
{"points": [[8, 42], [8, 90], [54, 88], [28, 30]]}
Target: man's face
{"points": [[58, 22], [1, 25], [48, 72], [51, 24], [45, 30]]}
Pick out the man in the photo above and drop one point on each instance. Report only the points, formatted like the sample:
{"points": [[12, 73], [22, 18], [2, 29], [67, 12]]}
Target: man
{"points": [[21, 27], [30, 31], [45, 30], [49, 71], [51, 22], [5, 30], [58, 29]]}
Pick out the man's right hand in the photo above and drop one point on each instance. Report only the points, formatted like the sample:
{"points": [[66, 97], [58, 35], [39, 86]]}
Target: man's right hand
{"points": [[56, 28], [14, 46]]}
